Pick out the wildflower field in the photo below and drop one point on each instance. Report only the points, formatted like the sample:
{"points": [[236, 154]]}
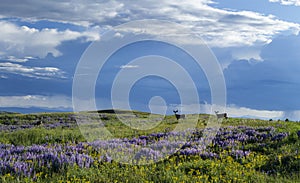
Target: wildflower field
{"points": [[50, 147]]}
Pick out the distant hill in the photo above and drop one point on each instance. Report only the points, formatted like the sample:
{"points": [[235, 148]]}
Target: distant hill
{"points": [[7, 112], [119, 111], [30, 110], [39, 110]]}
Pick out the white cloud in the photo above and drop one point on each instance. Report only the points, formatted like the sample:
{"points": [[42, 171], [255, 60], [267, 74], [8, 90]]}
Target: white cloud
{"points": [[76, 12], [292, 115], [118, 34], [14, 59], [219, 27], [34, 72], [28, 101], [129, 66], [236, 111], [21, 43], [3, 77], [247, 53], [287, 2]]}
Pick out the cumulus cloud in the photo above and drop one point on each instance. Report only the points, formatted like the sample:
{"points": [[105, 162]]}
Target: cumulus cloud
{"points": [[271, 84], [21, 43], [219, 27], [287, 2], [33, 72], [28, 101], [76, 12]]}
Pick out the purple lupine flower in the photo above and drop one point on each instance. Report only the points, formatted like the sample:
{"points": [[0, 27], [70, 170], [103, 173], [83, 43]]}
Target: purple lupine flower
{"points": [[239, 153], [280, 136], [106, 158]]}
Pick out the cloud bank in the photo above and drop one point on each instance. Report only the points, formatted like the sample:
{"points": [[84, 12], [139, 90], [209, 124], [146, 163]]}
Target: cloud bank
{"points": [[287, 2], [27, 101], [219, 27]]}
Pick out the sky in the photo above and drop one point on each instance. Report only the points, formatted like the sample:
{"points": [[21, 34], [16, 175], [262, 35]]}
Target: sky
{"points": [[256, 43]]}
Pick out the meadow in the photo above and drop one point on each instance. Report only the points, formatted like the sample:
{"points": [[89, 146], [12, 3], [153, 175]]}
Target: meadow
{"points": [[57, 150]]}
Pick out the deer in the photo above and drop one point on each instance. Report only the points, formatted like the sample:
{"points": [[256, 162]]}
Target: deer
{"points": [[221, 115], [178, 116]]}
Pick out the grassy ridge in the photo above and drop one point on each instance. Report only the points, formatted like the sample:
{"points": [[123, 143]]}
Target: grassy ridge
{"points": [[271, 160]]}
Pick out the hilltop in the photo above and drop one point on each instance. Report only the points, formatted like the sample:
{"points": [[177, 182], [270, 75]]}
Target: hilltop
{"points": [[91, 146]]}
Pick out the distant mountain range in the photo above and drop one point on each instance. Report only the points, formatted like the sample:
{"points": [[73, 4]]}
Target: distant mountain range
{"points": [[7, 112], [29, 110]]}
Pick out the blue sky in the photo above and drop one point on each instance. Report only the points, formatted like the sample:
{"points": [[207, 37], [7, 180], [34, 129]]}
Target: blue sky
{"points": [[255, 41]]}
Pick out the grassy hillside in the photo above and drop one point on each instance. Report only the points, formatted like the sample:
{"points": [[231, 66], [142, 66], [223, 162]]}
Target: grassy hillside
{"points": [[52, 147]]}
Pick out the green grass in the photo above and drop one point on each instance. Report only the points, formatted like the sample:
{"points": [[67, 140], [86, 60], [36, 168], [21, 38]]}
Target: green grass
{"points": [[278, 156], [40, 135]]}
